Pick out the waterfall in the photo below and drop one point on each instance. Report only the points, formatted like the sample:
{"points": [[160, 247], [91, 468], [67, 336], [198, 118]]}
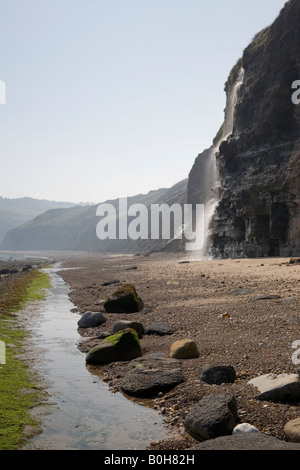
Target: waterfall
{"points": [[212, 179]]}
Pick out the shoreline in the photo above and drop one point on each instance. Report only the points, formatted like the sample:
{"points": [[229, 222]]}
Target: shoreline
{"points": [[213, 303]]}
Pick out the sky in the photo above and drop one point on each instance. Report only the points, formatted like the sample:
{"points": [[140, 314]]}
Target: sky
{"points": [[113, 98]]}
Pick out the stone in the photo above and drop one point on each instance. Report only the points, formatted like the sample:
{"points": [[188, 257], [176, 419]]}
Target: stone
{"points": [[123, 324], [217, 375], [244, 428], [124, 300], [159, 328], [283, 387], [109, 283], [213, 416], [184, 349], [123, 346], [91, 320], [292, 430], [246, 441], [266, 297], [104, 334], [151, 375]]}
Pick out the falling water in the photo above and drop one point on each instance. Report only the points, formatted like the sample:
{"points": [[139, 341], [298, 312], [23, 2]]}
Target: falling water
{"points": [[212, 180]]}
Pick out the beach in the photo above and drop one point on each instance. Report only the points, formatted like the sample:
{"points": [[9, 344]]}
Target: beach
{"points": [[243, 313]]}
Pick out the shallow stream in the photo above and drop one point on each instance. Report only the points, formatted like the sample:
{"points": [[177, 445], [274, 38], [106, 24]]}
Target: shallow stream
{"points": [[82, 413]]}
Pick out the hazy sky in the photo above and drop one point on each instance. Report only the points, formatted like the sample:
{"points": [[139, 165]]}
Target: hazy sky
{"points": [[110, 98]]}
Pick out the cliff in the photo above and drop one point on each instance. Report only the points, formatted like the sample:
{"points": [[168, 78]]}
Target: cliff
{"points": [[257, 209]]}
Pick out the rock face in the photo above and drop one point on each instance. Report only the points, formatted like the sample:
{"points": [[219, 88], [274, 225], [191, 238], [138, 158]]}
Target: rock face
{"points": [[124, 300], [123, 346], [258, 208]]}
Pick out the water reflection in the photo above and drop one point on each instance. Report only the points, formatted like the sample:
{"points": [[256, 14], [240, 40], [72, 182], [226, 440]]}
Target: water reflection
{"points": [[84, 414]]}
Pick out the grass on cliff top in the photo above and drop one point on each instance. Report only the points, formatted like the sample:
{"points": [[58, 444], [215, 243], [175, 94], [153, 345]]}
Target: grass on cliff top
{"points": [[18, 394]]}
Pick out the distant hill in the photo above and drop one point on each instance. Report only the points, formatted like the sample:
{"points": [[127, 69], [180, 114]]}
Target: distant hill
{"points": [[14, 212], [74, 228]]}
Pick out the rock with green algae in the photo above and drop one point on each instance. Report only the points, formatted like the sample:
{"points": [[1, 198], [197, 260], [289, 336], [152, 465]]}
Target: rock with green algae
{"points": [[122, 346], [124, 300]]}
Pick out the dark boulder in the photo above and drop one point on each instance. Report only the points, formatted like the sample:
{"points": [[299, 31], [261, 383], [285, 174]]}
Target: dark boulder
{"points": [[124, 300]]}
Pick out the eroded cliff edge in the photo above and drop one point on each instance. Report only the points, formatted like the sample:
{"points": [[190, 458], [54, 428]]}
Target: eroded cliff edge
{"points": [[258, 209]]}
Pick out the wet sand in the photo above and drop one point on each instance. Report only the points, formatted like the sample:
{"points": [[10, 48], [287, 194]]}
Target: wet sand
{"points": [[213, 303]]}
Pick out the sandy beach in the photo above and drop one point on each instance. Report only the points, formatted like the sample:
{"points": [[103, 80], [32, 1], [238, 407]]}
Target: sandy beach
{"points": [[216, 303]]}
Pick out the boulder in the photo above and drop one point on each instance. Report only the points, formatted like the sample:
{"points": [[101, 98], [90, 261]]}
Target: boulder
{"points": [[159, 328], [217, 375], [213, 416], [292, 430], [150, 375], [248, 441], [124, 300], [184, 349], [91, 320], [284, 387], [123, 324], [123, 346]]}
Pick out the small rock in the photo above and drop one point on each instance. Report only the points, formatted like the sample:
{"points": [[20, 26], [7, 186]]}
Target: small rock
{"points": [[217, 375], [159, 328], [109, 283], [284, 387], [103, 334], [244, 428], [123, 346], [124, 300], [123, 324], [213, 416], [292, 430], [91, 320], [266, 297], [151, 375], [184, 349]]}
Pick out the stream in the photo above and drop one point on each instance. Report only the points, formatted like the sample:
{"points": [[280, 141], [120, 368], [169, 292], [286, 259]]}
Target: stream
{"points": [[82, 412]]}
